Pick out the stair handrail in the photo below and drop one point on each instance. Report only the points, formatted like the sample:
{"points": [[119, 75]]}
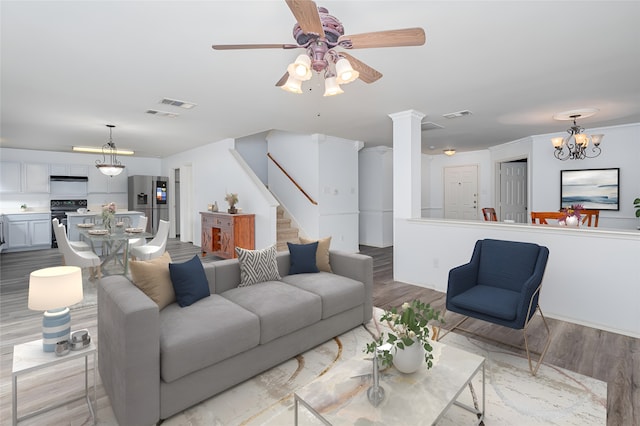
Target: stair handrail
{"points": [[311, 200]]}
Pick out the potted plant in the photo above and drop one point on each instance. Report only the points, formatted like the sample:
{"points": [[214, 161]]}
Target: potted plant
{"points": [[408, 336], [232, 199], [636, 204], [23, 207]]}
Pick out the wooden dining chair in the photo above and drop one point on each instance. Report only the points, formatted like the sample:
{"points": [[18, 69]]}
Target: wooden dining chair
{"points": [[590, 217], [540, 218], [489, 214]]}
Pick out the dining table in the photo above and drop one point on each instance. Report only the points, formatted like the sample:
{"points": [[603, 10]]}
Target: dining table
{"points": [[112, 242]]}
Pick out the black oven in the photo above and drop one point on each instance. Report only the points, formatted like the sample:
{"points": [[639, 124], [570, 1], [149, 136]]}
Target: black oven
{"points": [[59, 210]]}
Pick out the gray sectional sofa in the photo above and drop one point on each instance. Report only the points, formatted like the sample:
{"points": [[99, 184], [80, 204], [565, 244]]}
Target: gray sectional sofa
{"points": [[154, 364]]}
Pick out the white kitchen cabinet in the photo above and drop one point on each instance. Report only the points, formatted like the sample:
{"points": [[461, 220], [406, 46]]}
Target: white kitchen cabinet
{"points": [[69, 170], [36, 178], [27, 231], [10, 176]]}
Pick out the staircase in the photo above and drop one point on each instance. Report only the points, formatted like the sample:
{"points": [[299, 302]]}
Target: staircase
{"points": [[285, 232]]}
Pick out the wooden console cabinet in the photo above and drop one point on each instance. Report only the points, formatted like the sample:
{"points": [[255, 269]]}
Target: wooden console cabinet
{"points": [[223, 232]]}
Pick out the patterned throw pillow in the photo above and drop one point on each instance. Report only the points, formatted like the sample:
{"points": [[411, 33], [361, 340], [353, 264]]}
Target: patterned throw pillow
{"points": [[257, 266], [322, 254]]}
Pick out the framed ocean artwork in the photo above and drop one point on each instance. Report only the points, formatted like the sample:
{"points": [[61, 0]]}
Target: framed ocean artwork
{"points": [[593, 188]]}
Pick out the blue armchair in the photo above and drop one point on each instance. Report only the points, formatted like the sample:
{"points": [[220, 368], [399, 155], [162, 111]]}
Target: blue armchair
{"points": [[501, 285]]}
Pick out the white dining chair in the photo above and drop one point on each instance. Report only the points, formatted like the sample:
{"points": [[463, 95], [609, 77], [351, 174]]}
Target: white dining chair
{"points": [[76, 245], [73, 257], [155, 247], [135, 242]]}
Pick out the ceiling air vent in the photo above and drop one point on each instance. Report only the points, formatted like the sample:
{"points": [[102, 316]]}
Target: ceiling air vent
{"points": [[177, 103], [457, 114], [429, 125], [162, 113]]}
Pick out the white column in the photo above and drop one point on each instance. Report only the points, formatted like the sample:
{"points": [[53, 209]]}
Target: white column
{"points": [[407, 159]]}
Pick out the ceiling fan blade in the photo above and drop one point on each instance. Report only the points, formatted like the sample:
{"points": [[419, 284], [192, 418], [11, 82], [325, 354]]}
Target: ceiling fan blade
{"points": [[283, 79], [367, 74], [253, 46], [391, 38], [306, 13]]}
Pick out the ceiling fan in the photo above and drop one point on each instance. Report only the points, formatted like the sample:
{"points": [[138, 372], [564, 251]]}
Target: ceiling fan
{"points": [[320, 33]]}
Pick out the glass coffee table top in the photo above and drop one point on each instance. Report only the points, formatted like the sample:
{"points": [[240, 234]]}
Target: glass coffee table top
{"points": [[340, 396]]}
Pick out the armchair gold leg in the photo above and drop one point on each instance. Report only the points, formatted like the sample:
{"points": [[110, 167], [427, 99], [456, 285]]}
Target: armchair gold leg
{"points": [[533, 370]]}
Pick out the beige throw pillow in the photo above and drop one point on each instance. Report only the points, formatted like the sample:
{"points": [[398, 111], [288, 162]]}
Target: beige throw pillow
{"points": [[153, 278], [322, 254]]}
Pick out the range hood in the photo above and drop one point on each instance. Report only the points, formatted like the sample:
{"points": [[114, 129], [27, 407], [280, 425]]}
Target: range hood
{"points": [[57, 178]]}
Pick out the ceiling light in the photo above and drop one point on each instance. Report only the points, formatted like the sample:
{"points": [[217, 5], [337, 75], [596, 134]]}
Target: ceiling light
{"points": [[292, 85], [301, 68], [346, 74], [113, 167], [177, 103], [98, 150], [574, 146], [449, 151], [457, 114], [331, 86]]}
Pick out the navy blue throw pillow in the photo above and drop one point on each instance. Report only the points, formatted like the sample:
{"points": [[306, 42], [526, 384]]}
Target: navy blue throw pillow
{"points": [[189, 281], [303, 258]]}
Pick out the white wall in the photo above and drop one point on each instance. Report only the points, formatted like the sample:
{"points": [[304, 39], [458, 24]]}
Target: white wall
{"points": [[216, 171], [253, 150], [133, 166], [326, 168], [375, 176], [591, 277]]}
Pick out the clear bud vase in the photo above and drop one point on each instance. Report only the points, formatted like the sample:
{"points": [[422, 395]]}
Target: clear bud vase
{"points": [[376, 392]]}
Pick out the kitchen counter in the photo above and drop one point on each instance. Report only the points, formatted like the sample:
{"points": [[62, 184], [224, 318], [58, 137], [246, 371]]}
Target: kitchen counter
{"points": [[30, 210]]}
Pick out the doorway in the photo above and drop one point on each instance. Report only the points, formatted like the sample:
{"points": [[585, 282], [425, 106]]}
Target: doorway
{"points": [[461, 192], [513, 191], [176, 198]]}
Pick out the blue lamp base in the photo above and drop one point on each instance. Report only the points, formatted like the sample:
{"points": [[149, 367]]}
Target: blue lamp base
{"points": [[56, 326]]}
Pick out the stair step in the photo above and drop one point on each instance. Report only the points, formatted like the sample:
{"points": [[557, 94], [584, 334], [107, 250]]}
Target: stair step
{"points": [[284, 223], [287, 234]]}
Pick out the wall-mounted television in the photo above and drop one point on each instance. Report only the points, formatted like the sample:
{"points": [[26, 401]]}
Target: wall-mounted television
{"points": [[593, 188]]}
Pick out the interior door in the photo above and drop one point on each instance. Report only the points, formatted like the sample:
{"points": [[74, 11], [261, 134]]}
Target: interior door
{"points": [[461, 192], [513, 191]]}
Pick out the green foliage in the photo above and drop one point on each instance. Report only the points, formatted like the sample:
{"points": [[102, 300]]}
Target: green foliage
{"points": [[408, 327], [636, 204]]}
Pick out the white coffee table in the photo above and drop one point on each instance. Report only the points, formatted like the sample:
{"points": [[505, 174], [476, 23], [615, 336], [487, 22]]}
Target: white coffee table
{"points": [[423, 397]]}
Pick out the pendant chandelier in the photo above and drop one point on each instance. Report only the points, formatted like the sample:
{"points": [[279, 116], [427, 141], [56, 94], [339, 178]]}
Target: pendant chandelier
{"points": [[577, 145], [113, 167], [337, 70]]}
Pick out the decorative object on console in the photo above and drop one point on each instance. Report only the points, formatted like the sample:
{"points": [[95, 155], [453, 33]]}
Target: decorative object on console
{"points": [[571, 215], [232, 199], [80, 339], [52, 290], [409, 331], [575, 145], [113, 167], [319, 33]]}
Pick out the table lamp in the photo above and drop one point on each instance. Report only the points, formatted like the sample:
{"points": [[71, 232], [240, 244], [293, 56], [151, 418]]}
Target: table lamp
{"points": [[52, 290]]}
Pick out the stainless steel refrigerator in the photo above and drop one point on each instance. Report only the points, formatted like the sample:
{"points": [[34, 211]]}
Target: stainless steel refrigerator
{"points": [[149, 194]]}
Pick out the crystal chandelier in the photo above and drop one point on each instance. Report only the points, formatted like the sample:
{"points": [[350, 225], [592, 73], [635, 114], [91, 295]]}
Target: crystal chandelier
{"points": [[113, 167]]}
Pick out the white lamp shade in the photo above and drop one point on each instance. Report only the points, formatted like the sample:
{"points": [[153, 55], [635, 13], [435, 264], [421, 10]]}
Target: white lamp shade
{"points": [[582, 140], [557, 142], [110, 169], [331, 87], [346, 74], [292, 85], [596, 139], [55, 288], [301, 68]]}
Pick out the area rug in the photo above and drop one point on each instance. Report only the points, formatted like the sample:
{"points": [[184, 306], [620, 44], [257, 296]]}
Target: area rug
{"points": [[554, 397]]}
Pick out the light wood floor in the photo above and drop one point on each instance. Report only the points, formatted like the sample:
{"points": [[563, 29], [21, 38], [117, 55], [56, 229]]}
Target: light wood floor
{"points": [[607, 356]]}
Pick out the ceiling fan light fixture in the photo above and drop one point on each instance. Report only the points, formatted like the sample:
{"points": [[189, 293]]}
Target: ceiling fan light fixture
{"points": [[331, 86], [346, 73], [301, 68], [292, 85]]}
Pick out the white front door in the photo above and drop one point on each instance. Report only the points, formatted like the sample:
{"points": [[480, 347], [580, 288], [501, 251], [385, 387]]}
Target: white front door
{"points": [[513, 191], [461, 192]]}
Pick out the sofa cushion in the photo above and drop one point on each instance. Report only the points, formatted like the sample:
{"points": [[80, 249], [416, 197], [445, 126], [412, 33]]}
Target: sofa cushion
{"points": [[303, 258], [282, 308], [338, 293], [153, 278], [493, 301], [200, 335], [189, 281], [257, 266], [322, 254]]}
